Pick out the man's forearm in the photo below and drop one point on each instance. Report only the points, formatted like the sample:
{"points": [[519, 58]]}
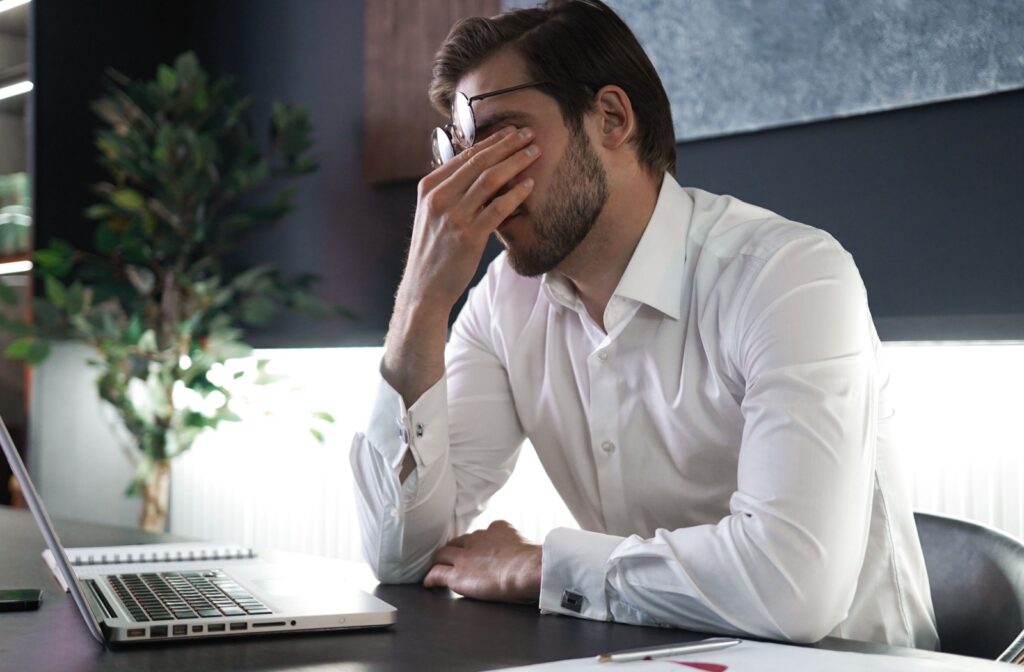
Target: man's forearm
{"points": [[414, 355], [414, 348]]}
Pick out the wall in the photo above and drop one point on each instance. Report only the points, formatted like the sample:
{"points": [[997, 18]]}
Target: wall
{"points": [[926, 198]]}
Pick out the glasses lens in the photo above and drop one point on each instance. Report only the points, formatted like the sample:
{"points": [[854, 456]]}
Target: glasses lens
{"points": [[441, 145], [462, 120]]}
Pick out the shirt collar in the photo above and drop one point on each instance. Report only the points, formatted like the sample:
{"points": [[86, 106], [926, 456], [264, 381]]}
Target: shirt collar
{"points": [[655, 273]]}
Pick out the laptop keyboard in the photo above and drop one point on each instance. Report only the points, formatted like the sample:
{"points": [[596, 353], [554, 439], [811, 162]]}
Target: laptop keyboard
{"points": [[167, 596]]}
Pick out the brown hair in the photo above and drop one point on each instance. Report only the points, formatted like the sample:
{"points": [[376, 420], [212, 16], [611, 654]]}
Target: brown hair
{"points": [[576, 47]]}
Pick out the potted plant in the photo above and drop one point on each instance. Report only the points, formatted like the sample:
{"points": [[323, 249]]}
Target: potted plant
{"points": [[159, 299]]}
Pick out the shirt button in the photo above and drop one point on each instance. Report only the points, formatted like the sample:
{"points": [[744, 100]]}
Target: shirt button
{"points": [[608, 447], [394, 513], [603, 356]]}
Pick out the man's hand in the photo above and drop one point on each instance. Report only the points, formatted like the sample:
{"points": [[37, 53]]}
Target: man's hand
{"points": [[459, 205], [493, 564]]}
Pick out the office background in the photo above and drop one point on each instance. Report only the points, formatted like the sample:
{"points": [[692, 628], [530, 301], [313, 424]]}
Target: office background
{"points": [[926, 197]]}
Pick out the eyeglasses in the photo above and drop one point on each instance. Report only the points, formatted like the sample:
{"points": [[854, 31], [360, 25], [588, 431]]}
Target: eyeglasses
{"points": [[461, 132]]}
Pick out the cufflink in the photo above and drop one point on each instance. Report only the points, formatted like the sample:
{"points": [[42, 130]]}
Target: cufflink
{"points": [[403, 433], [572, 601], [419, 429]]}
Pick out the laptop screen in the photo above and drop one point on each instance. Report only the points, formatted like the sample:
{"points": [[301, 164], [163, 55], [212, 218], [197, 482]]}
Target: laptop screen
{"points": [[35, 504]]}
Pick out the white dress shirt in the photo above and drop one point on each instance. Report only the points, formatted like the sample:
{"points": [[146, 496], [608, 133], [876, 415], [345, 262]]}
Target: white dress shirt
{"points": [[725, 446]]}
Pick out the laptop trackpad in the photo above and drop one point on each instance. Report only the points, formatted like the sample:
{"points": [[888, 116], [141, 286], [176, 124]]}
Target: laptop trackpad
{"points": [[307, 595]]}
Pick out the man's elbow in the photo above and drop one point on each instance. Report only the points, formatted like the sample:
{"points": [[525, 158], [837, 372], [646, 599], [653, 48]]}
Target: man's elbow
{"points": [[811, 616], [396, 572]]}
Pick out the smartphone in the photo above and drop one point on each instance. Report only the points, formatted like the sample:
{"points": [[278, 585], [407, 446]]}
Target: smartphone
{"points": [[20, 599]]}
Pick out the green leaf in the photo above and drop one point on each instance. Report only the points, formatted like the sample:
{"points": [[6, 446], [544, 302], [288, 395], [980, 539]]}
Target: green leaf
{"points": [[167, 78], [129, 199], [56, 259], [31, 350], [74, 302], [147, 342], [324, 415], [318, 435], [258, 310], [106, 240], [55, 291], [249, 279], [133, 332], [98, 211], [228, 415]]}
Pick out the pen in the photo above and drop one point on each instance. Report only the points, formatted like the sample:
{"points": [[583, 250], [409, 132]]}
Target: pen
{"points": [[702, 646]]}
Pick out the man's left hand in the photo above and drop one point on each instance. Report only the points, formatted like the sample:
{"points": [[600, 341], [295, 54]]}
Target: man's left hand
{"points": [[495, 564]]}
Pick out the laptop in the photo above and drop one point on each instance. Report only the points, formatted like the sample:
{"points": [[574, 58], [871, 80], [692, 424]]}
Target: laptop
{"points": [[189, 600]]}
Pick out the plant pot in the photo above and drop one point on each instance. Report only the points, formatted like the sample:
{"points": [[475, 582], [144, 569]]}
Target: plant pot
{"points": [[156, 492]]}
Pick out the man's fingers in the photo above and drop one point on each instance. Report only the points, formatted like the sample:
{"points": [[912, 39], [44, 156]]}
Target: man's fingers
{"points": [[501, 207], [444, 171], [495, 180], [438, 576], [479, 158]]}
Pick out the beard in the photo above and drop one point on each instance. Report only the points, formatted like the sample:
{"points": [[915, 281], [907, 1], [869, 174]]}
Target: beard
{"points": [[577, 196]]}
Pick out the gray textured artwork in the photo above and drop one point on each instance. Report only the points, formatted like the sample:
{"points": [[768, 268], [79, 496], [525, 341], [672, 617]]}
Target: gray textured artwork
{"points": [[731, 66]]}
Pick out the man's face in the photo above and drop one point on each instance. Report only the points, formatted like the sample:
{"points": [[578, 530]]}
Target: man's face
{"points": [[571, 184]]}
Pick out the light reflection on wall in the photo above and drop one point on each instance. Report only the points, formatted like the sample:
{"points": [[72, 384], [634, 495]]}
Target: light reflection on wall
{"points": [[267, 482]]}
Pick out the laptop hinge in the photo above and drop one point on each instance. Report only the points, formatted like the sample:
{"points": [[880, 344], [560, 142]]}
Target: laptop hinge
{"points": [[99, 602]]}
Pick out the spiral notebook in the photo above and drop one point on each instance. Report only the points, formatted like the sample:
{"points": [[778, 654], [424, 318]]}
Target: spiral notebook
{"points": [[148, 553]]}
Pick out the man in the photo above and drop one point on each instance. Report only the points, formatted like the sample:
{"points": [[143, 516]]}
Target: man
{"points": [[699, 376]]}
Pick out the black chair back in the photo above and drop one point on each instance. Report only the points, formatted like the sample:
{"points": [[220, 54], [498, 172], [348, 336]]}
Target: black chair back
{"points": [[977, 581]]}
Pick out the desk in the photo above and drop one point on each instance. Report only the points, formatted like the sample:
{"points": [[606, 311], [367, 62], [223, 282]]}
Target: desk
{"points": [[435, 629]]}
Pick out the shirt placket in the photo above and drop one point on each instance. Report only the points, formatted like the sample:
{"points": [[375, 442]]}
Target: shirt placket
{"points": [[605, 423]]}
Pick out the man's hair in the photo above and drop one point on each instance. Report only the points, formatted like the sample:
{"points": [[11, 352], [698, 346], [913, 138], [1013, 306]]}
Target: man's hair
{"points": [[575, 47]]}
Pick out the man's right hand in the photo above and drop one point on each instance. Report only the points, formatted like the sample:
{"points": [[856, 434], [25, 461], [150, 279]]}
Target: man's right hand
{"points": [[459, 205]]}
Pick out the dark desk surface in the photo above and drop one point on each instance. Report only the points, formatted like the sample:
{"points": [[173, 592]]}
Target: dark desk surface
{"points": [[435, 629]]}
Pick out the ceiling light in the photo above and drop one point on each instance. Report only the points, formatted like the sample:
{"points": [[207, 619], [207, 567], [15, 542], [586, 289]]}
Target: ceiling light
{"points": [[15, 267], [11, 4], [15, 89]]}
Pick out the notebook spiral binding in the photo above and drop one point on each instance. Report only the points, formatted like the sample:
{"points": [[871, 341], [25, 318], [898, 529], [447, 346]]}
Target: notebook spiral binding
{"points": [[163, 556]]}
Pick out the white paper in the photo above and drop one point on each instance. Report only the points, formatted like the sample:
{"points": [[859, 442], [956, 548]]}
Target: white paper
{"points": [[763, 657]]}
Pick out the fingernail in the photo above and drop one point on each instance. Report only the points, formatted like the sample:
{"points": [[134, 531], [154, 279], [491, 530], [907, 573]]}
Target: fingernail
{"points": [[505, 132], [532, 150], [525, 133], [527, 183]]}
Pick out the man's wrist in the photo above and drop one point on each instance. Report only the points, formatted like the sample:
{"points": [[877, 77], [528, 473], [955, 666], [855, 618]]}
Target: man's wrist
{"points": [[414, 349], [528, 579]]}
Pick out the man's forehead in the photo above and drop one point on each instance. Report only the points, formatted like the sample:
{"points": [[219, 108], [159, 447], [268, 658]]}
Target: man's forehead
{"points": [[503, 69]]}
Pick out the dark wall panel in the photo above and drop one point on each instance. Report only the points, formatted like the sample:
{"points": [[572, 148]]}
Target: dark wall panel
{"points": [[927, 199], [73, 45]]}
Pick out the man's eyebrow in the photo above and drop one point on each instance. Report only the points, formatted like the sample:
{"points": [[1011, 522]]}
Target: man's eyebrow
{"points": [[487, 123]]}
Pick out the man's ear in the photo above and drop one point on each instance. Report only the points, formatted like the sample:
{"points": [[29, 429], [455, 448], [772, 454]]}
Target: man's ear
{"points": [[615, 116]]}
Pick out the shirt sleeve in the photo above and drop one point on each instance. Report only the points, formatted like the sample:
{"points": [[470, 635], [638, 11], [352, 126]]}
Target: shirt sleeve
{"points": [[784, 564], [464, 435]]}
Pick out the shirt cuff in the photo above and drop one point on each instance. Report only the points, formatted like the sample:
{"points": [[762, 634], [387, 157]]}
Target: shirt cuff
{"points": [[574, 569], [421, 428]]}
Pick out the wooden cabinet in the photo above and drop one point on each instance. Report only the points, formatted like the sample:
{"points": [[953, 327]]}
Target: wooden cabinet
{"points": [[400, 41]]}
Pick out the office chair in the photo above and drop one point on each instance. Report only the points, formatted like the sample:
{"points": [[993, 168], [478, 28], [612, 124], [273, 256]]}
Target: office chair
{"points": [[977, 580]]}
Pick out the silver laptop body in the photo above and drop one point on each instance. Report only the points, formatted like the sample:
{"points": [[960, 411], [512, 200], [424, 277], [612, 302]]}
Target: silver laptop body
{"points": [[274, 597]]}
